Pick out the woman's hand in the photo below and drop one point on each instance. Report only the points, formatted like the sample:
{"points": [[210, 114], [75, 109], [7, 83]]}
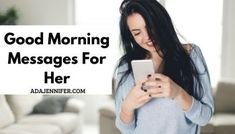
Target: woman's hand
{"points": [[136, 98], [159, 85]]}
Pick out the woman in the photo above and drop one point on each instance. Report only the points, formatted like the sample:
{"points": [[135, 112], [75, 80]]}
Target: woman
{"points": [[177, 99]]}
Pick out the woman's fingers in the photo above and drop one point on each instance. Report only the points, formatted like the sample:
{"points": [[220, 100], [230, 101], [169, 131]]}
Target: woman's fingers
{"points": [[144, 99], [161, 77], [157, 85], [146, 89], [152, 83], [158, 95], [140, 83], [155, 91]]}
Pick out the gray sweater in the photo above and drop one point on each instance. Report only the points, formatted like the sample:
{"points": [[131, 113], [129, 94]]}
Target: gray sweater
{"points": [[164, 115]]}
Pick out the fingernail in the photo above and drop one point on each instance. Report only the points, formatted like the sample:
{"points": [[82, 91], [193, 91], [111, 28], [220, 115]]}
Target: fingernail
{"points": [[143, 83], [149, 75], [157, 79], [142, 88]]}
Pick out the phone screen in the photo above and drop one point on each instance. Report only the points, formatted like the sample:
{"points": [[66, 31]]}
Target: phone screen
{"points": [[141, 68]]}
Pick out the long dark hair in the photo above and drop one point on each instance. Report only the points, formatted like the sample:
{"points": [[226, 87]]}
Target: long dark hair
{"points": [[177, 62]]}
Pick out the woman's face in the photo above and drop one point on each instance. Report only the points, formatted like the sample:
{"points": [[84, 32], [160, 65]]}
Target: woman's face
{"points": [[138, 30]]}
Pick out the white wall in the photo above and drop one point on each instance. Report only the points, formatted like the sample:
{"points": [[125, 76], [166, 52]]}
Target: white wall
{"points": [[42, 12], [228, 41], [98, 12]]}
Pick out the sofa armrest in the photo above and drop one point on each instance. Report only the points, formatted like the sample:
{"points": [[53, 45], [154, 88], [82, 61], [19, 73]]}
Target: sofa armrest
{"points": [[108, 110], [74, 105], [208, 129], [107, 118]]}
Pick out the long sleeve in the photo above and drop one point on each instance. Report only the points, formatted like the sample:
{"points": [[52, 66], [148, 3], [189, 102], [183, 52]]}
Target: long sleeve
{"points": [[201, 111], [121, 92]]}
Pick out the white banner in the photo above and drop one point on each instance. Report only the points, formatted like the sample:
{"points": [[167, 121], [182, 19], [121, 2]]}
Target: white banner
{"points": [[74, 60]]}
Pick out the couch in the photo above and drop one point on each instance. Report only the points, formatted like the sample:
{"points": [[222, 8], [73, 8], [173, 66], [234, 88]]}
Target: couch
{"points": [[16, 116], [222, 122]]}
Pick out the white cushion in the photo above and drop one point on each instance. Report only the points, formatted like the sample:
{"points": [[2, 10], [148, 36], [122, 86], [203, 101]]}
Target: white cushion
{"points": [[66, 121], [223, 119], [74, 105], [6, 115], [33, 129], [22, 105]]}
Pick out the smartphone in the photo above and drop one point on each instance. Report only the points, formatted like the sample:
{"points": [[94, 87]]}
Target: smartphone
{"points": [[141, 68]]}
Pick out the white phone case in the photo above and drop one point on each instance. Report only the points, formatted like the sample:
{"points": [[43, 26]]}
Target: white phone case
{"points": [[141, 68]]}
